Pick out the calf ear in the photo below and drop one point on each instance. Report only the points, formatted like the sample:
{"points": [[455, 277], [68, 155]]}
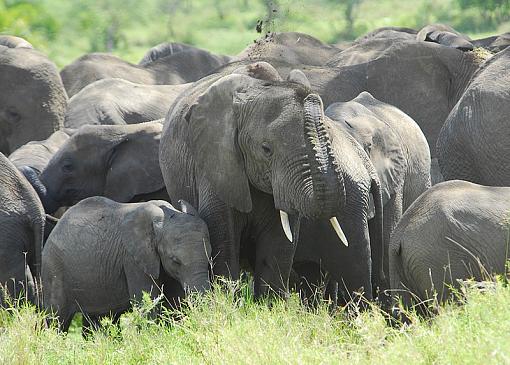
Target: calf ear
{"points": [[141, 231], [133, 166]]}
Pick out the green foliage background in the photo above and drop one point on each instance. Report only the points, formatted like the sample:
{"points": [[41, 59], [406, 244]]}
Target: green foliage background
{"points": [[66, 29]]}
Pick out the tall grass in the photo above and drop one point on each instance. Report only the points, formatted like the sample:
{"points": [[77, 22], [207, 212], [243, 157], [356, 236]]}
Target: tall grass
{"points": [[225, 327]]}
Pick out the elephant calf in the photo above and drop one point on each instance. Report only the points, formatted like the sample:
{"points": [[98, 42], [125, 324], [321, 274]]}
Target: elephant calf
{"points": [[103, 254], [455, 230]]}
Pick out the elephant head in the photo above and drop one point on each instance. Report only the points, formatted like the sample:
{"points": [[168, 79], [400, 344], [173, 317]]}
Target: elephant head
{"points": [[158, 235], [32, 100], [119, 162], [269, 134]]}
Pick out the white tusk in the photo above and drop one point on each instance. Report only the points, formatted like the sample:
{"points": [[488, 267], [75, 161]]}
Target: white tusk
{"points": [[338, 230], [284, 217]]}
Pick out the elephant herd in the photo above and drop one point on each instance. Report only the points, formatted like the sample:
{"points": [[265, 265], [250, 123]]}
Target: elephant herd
{"points": [[315, 167]]}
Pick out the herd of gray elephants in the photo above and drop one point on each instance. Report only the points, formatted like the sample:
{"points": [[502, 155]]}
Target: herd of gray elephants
{"points": [[376, 169]]}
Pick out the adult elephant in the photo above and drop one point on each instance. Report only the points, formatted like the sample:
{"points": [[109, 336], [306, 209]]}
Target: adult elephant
{"points": [[119, 162], [178, 68], [405, 73], [251, 153], [14, 42], [32, 100], [292, 47], [21, 233], [166, 49], [473, 143], [400, 154], [446, 36], [103, 254], [455, 231], [117, 101]]}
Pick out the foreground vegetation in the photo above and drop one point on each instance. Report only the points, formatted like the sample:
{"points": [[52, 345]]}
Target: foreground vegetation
{"points": [[223, 328], [66, 29]]}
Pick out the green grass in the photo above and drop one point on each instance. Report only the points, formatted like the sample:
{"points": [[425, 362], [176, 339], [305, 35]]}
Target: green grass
{"points": [[228, 328]]}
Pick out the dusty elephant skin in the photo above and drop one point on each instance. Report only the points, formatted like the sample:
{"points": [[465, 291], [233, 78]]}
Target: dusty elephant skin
{"points": [[103, 254], [455, 230], [117, 102], [250, 148], [32, 101], [21, 231], [119, 162], [473, 143], [400, 155]]}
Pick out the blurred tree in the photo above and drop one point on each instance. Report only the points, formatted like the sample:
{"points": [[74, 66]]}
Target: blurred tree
{"points": [[27, 19], [493, 11]]}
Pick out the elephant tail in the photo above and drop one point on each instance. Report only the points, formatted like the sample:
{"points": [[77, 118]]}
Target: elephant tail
{"points": [[377, 241]]}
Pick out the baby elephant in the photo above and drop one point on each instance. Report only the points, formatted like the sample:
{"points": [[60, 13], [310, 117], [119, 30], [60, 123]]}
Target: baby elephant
{"points": [[456, 230], [103, 254]]}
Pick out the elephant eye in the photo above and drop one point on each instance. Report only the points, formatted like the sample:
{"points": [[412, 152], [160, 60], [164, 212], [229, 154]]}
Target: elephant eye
{"points": [[267, 149], [67, 167]]}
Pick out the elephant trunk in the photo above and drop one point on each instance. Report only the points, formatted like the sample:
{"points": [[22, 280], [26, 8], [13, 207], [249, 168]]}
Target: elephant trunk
{"points": [[49, 204], [197, 283]]}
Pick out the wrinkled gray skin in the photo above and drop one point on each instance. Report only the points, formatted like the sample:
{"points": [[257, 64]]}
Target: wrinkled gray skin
{"points": [[167, 49], [21, 231], [473, 143], [446, 36], [445, 235], [119, 162], [14, 42], [32, 101], [103, 254], [495, 43], [117, 101], [241, 149], [291, 47], [400, 154], [178, 68]]}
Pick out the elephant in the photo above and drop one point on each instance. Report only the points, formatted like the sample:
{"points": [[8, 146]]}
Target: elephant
{"points": [[178, 68], [102, 255], [456, 230], [495, 43], [473, 143], [250, 154], [119, 162], [388, 32], [14, 42], [446, 36], [292, 47], [407, 74], [169, 48], [400, 154], [37, 154], [32, 101], [22, 223], [117, 101]]}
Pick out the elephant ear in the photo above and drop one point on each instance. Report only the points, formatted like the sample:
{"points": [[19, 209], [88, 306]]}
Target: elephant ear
{"points": [[380, 142], [141, 231], [133, 166], [213, 134]]}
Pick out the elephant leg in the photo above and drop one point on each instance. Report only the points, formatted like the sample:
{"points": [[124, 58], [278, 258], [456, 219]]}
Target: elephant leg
{"points": [[138, 282], [311, 282], [14, 279], [351, 266], [92, 323], [273, 263], [225, 227]]}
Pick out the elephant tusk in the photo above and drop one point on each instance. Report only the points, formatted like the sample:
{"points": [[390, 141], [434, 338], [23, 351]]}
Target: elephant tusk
{"points": [[338, 230], [284, 217]]}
